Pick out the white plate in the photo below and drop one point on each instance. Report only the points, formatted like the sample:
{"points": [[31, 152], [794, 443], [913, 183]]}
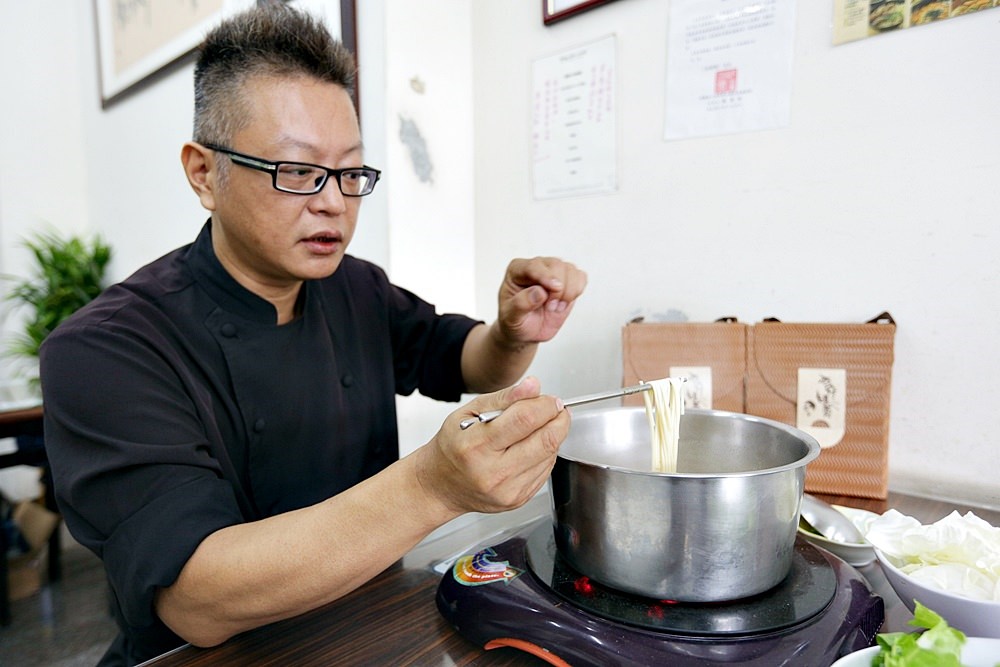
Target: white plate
{"points": [[855, 554], [976, 618], [977, 652]]}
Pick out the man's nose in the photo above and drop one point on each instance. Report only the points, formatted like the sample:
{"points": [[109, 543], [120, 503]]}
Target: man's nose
{"points": [[330, 199]]}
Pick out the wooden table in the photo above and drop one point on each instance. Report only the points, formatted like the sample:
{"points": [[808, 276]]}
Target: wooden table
{"points": [[15, 423], [393, 620]]}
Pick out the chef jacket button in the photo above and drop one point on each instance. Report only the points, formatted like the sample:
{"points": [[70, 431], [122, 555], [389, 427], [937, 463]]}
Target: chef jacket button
{"points": [[347, 380], [259, 425], [228, 329]]}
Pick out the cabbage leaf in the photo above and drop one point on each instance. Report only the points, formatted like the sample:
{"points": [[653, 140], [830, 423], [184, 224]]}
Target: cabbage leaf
{"points": [[940, 645], [958, 554]]}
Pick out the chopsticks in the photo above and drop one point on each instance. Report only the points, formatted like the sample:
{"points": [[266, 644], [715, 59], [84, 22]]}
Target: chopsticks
{"points": [[484, 417]]}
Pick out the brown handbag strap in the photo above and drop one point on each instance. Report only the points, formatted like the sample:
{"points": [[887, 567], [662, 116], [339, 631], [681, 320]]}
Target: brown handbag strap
{"points": [[882, 318]]}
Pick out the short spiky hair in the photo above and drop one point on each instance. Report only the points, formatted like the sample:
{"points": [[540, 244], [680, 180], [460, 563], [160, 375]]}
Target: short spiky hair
{"points": [[270, 40]]}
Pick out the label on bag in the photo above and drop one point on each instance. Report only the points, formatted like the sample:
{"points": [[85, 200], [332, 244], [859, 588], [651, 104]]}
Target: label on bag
{"points": [[822, 404], [698, 388]]}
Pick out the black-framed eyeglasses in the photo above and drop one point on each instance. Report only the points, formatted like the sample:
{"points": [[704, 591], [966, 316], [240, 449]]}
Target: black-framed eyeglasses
{"points": [[301, 178]]}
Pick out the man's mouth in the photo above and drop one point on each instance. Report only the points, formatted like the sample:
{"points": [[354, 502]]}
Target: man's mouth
{"points": [[323, 238], [324, 244]]}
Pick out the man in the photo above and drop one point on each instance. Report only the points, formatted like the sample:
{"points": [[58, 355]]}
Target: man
{"points": [[221, 425]]}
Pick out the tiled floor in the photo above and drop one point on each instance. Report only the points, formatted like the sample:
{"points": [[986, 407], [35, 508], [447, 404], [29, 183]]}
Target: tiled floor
{"points": [[63, 624]]}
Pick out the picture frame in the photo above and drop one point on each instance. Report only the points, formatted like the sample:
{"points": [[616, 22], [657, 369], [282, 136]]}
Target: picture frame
{"points": [[170, 30], [558, 10], [137, 40]]}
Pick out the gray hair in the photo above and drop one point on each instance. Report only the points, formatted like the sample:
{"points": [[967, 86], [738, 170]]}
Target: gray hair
{"points": [[268, 40]]}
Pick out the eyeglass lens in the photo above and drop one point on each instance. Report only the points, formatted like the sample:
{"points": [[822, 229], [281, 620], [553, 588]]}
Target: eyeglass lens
{"points": [[306, 179]]}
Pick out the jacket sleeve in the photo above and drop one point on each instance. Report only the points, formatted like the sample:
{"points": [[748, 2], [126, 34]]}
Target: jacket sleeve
{"points": [[135, 476], [426, 346]]}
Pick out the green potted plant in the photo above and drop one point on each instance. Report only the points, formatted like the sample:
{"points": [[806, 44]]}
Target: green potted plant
{"points": [[68, 273]]}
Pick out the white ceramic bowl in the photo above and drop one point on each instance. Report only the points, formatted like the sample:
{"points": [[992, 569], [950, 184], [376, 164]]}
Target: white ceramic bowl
{"points": [[977, 652], [855, 554], [976, 618]]}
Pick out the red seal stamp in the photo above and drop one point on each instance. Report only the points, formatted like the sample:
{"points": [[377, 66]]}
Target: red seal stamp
{"points": [[725, 81]]}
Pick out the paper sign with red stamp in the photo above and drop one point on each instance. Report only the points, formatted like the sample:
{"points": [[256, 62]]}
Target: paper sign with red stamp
{"points": [[725, 81]]}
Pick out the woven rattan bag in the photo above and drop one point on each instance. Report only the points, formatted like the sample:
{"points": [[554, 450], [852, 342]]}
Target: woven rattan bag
{"points": [[712, 355], [832, 381]]}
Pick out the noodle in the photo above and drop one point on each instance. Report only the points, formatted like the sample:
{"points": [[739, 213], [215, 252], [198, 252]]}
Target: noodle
{"points": [[664, 407]]}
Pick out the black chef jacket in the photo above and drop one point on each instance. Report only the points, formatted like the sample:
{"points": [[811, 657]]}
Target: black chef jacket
{"points": [[175, 406]]}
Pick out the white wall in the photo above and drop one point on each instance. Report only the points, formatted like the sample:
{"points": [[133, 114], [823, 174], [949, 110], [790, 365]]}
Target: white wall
{"points": [[881, 195], [44, 184], [428, 117], [43, 180]]}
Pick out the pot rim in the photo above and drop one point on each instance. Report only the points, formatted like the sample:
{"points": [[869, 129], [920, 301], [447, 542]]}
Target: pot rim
{"points": [[811, 443]]}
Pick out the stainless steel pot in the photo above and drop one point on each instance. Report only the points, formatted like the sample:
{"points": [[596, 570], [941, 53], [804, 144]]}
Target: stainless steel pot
{"points": [[721, 528]]}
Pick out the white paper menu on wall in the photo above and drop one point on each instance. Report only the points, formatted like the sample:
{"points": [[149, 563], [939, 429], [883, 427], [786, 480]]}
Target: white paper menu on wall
{"points": [[729, 66], [573, 121]]}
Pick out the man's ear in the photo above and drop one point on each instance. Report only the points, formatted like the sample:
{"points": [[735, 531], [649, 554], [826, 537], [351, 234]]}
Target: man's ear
{"points": [[199, 167]]}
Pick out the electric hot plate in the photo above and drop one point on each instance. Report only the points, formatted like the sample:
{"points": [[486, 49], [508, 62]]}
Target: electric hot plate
{"points": [[521, 593]]}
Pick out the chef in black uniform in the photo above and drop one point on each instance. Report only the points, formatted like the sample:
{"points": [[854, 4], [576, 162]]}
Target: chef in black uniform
{"points": [[221, 425]]}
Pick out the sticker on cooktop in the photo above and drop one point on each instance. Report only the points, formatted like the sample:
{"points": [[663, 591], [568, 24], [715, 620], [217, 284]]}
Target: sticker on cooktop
{"points": [[822, 404], [478, 569]]}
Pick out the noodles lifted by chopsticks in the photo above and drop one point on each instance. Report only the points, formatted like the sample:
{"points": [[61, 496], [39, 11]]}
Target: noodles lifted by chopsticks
{"points": [[664, 407]]}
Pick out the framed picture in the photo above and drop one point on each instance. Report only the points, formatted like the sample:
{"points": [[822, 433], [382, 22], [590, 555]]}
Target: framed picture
{"points": [[137, 39], [557, 10]]}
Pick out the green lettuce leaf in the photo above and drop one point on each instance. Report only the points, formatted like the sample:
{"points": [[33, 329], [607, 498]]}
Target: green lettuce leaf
{"points": [[939, 645]]}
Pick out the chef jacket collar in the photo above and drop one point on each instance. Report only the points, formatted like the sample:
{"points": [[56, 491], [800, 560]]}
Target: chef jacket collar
{"points": [[222, 287]]}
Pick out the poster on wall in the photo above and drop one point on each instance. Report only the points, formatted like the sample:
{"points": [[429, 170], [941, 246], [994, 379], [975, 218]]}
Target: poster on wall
{"points": [[729, 66], [858, 19], [573, 104], [137, 38]]}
